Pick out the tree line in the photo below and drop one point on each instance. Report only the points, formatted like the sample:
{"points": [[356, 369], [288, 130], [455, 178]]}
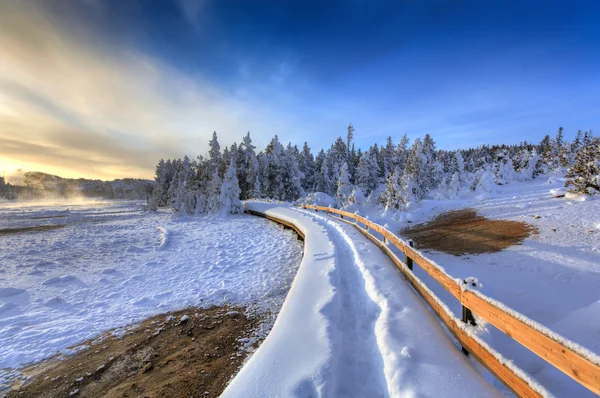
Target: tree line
{"points": [[37, 185], [394, 176]]}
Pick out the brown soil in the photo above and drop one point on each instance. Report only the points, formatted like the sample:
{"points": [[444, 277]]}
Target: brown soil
{"points": [[192, 358], [465, 232], [40, 228]]}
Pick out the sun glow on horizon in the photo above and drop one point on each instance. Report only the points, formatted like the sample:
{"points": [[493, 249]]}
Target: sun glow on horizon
{"points": [[12, 170]]}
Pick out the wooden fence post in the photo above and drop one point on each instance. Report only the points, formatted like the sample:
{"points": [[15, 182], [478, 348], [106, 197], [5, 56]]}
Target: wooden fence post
{"points": [[467, 317], [409, 261]]}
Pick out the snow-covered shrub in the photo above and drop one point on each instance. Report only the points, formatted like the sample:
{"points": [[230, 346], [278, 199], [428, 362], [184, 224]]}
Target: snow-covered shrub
{"points": [[484, 183], [357, 197], [505, 172], [318, 199]]}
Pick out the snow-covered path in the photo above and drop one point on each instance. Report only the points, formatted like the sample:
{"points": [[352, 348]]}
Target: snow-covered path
{"points": [[351, 326]]}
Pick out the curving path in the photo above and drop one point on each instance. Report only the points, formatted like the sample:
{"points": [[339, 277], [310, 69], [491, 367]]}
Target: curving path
{"points": [[351, 327]]}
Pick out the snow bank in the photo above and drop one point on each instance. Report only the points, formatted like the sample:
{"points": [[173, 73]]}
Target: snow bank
{"points": [[318, 199]]}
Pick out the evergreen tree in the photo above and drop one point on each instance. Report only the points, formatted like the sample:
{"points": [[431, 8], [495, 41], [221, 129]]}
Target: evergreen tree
{"points": [[248, 169], [307, 167], [344, 186], [336, 156], [402, 152], [577, 142], [392, 198], [263, 171], [349, 136], [389, 157], [324, 183], [229, 197], [4, 188], [214, 155], [416, 179], [584, 176], [545, 150], [367, 173]]}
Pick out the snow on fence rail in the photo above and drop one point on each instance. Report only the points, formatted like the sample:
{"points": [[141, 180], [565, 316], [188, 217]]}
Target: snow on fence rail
{"points": [[574, 360]]}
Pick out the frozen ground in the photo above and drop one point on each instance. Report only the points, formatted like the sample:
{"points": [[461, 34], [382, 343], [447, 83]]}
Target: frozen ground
{"points": [[352, 327], [112, 265], [553, 277]]}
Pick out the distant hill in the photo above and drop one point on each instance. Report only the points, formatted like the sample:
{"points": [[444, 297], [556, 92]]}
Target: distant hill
{"points": [[41, 185]]}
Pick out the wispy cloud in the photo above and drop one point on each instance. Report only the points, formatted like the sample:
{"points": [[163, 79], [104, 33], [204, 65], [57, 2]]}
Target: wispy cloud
{"points": [[77, 106]]}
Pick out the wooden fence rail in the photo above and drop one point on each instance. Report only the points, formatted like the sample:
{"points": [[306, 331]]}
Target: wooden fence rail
{"points": [[554, 349]]}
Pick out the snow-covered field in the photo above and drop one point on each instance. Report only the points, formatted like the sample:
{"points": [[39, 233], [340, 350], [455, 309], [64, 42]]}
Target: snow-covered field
{"points": [[350, 325], [112, 265], [553, 278]]}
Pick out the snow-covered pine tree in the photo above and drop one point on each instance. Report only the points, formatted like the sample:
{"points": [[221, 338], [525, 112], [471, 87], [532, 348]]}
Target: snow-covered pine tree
{"points": [[349, 136], [433, 169], [214, 155], [344, 186], [545, 152], [504, 170], [262, 178], [274, 180], [411, 190], [577, 142], [351, 156], [584, 176], [4, 188], [225, 161], [213, 193], [323, 180], [183, 196], [229, 197], [392, 198], [283, 174], [565, 156], [292, 174], [453, 186], [367, 173], [336, 156], [484, 180], [402, 152], [248, 169], [389, 157], [417, 174], [318, 182], [159, 194], [532, 167], [307, 167]]}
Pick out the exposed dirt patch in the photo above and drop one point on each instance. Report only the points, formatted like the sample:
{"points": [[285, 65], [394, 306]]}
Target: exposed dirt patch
{"points": [[166, 356], [39, 228], [465, 232]]}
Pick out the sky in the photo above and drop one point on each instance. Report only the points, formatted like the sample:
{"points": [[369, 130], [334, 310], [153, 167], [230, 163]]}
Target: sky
{"points": [[104, 89]]}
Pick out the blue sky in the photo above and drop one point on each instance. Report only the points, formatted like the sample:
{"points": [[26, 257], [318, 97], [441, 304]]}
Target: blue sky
{"points": [[137, 80]]}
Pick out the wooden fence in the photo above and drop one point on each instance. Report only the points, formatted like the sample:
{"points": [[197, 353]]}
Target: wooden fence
{"points": [[549, 346], [554, 349]]}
